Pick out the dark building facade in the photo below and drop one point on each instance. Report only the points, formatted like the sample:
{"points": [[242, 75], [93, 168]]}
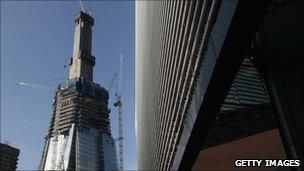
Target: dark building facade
{"points": [[79, 135], [8, 157], [204, 78], [246, 109]]}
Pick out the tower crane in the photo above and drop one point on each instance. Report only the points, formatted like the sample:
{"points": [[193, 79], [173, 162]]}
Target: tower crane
{"points": [[61, 165], [82, 3], [112, 81], [118, 105], [35, 86]]}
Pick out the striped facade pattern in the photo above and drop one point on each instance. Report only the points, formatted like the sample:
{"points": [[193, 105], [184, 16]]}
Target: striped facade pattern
{"points": [[171, 40], [245, 111], [248, 88]]}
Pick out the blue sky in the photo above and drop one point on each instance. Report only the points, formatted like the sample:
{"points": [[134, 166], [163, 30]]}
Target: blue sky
{"points": [[36, 40]]}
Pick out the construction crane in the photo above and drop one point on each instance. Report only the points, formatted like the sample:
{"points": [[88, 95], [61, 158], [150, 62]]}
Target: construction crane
{"points": [[118, 105], [35, 86], [112, 81], [118, 139], [82, 4]]}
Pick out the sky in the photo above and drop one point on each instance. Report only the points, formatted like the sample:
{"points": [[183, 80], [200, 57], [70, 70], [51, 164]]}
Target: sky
{"points": [[36, 42]]}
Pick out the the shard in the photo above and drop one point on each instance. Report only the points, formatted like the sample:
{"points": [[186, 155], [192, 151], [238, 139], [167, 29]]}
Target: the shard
{"points": [[79, 135]]}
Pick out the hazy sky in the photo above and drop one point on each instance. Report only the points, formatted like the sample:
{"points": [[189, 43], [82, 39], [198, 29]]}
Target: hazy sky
{"points": [[36, 42]]}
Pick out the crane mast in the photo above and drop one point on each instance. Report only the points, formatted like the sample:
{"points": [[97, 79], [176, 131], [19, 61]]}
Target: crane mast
{"points": [[118, 104]]}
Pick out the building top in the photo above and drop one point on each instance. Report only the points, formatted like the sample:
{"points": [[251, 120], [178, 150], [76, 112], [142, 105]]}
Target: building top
{"points": [[7, 148], [8, 157], [85, 17]]}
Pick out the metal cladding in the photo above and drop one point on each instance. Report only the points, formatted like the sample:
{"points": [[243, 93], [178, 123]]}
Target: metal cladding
{"points": [[178, 48], [171, 38], [79, 135]]}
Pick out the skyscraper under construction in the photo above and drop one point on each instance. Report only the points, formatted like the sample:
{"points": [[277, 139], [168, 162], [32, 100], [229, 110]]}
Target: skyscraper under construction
{"points": [[79, 135]]}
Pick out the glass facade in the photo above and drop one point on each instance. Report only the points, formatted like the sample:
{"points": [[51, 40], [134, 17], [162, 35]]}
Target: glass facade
{"points": [[87, 149], [109, 157], [247, 89], [245, 111], [93, 151]]}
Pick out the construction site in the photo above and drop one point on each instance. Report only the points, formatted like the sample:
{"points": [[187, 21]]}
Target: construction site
{"points": [[79, 136]]}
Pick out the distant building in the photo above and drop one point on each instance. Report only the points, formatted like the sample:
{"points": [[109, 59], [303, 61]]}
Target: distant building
{"points": [[246, 110], [8, 157], [79, 135]]}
